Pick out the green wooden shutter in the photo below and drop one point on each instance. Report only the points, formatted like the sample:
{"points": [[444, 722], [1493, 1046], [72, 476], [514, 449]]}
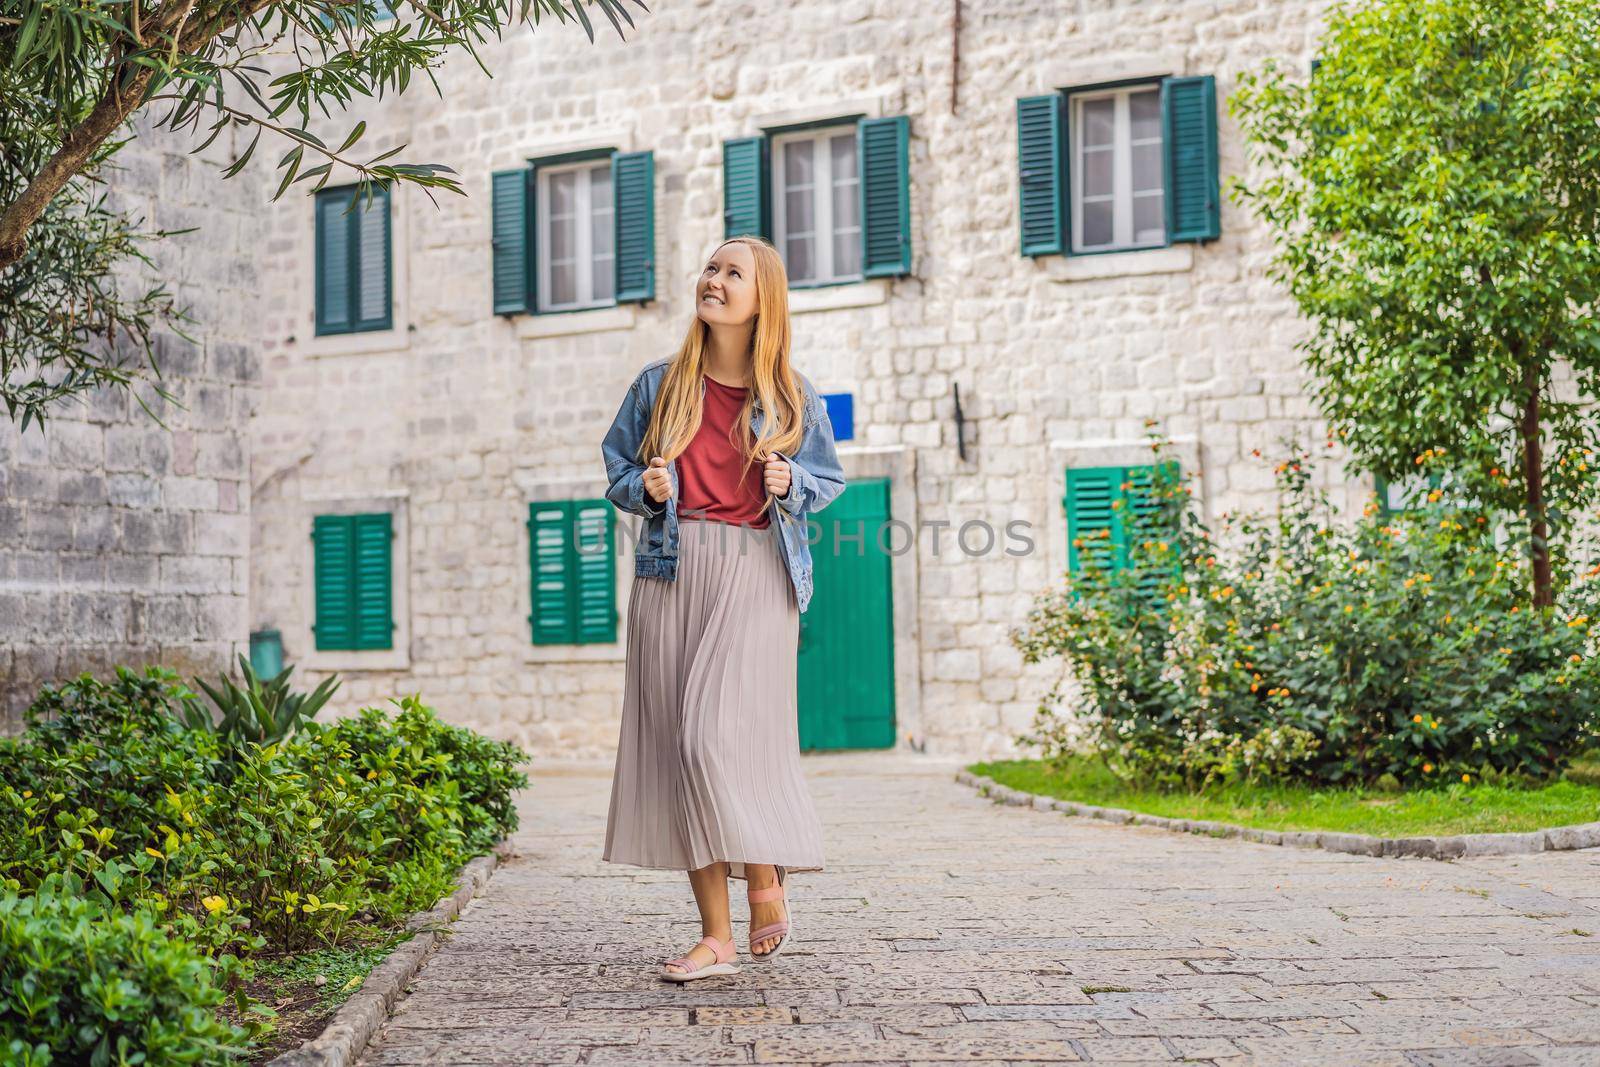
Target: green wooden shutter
{"points": [[549, 545], [333, 538], [1143, 516], [511, 196], [353, 275], [370, 235], [571, 545], [333, 266], [1189, 132], [373, 580], [594, 572], [354, 581], [1113, 510], [633, 191], [881, 147], [1041, 173], [1094, 532], [745, 188]]}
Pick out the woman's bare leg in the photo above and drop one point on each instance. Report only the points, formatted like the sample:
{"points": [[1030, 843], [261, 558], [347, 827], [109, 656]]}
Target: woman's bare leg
{"points": [[710, 885], [762, 912]]}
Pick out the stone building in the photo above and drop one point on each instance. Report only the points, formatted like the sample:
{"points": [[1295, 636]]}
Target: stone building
{"points": [[123, 542], [976, 211], [1008, 250]]}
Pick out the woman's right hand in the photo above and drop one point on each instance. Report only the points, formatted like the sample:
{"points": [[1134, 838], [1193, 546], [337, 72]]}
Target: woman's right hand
{"points": [[657, 482]]}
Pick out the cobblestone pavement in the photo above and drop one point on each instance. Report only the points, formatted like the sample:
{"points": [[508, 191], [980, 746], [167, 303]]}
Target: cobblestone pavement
{"points": [[948, 928]]}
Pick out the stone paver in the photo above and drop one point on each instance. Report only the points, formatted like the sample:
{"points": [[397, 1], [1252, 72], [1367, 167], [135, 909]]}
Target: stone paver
{"points": [[949, 928]]}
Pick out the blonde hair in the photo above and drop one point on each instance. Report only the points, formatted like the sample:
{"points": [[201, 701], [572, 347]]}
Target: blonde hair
{"points": [[675, 418]]}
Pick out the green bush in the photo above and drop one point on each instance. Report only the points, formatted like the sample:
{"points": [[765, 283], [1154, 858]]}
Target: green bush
{"points": [[1318, 649], [114, 803], [81, 984], [115, 749]]}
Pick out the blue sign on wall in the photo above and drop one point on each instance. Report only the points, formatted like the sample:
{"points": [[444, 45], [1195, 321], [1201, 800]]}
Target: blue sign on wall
{"points": [[842, 413]]}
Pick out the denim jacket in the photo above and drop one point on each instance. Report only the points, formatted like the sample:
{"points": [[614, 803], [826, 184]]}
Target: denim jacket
{"points": [[815, 478]]}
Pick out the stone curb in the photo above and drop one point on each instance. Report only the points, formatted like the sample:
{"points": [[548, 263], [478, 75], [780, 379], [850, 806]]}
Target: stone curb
{"points": [[1456, 846], [345, 1036]]}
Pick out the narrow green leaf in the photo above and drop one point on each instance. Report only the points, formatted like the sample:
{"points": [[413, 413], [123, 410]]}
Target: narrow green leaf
{"points": [[355, 135]]}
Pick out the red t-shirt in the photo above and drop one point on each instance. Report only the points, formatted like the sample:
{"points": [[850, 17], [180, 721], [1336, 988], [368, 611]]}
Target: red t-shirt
{"points": [[709, 483]]}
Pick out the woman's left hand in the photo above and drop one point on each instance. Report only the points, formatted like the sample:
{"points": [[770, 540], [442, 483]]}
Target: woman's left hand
{"points": [[777, 475]]}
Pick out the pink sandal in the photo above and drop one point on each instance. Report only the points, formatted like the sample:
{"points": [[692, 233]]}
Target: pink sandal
{"points": [[781, 927], [724, 965]]}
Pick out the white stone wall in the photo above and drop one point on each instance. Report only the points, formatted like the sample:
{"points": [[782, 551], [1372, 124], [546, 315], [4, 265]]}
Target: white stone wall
{"points": [[123, 541], [458, 418]]}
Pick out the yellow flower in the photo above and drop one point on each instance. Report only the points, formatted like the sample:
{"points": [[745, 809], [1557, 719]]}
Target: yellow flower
{"points": [[1466, 777], [371, 775], [1427, 768], [214, 904], [1416, 718]]}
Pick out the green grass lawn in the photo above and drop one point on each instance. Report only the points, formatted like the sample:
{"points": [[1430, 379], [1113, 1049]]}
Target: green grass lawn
{"points": [[1455, 809]]}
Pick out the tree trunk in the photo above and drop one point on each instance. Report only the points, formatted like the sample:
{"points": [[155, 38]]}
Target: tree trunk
{"points": [[1533, 478], [122, 97]]}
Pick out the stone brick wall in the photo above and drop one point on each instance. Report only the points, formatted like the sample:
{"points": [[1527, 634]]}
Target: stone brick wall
{"points": [[462, 417], [122, 542]]}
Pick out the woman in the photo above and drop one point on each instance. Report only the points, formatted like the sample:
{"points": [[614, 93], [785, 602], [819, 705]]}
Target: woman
{"points": [[725, 450]]}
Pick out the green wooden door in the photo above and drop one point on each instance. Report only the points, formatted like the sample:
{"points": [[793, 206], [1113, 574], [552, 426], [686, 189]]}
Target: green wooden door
{"points": [[846, 660]]}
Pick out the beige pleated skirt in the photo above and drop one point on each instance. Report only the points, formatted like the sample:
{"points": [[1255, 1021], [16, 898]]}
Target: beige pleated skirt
{"points": [[708, 757]]}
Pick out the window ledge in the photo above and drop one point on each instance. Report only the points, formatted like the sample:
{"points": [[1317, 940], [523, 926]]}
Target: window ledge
{"points": [[591, 320], [382, 659], [1174, 259], [394, 339], [596, 653], [832, 297]]}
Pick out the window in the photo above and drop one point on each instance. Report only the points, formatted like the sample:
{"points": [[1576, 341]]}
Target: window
{"points": [[1118, 194], [353, 277], [833, 197], [574, 232], [577, 258], [1111, 511], [353, 581], [1118, 167], [573, 574], [817, 217]]}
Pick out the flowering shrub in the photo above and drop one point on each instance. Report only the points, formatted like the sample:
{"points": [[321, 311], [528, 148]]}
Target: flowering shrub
{"points": [[1308, 648], [231, 847]]}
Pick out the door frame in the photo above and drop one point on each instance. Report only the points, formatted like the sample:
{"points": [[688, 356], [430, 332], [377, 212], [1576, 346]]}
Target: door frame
{"points": [[897, 463]]}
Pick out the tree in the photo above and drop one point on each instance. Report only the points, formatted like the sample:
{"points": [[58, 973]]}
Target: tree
{"points": [[73, 74], [1433, 192]]}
